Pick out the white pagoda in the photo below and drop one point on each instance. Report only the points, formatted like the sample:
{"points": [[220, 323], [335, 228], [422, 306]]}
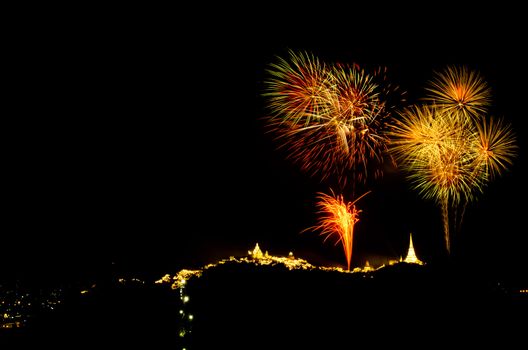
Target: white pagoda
{"points": [[411, 255]]}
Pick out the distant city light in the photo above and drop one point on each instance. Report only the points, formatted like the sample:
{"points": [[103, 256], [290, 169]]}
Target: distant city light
{"points": [[16, 305]]}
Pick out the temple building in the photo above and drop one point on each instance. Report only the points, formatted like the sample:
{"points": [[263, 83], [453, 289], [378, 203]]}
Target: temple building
{"points": [[257, 253], [411, 255]]}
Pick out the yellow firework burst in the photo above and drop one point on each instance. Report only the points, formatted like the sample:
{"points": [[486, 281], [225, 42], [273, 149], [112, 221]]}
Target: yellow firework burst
{"points": [[418, 133], [448, 158], [494, 146], [434, 147], [460, 89], [448, 148], [447, 173]]}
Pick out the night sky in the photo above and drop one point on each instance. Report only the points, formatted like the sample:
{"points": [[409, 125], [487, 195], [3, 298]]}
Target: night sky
{"points": [[143, 144]]}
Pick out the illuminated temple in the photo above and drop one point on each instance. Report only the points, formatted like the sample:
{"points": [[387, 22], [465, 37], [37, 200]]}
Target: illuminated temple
{"points": [[411, 255]]}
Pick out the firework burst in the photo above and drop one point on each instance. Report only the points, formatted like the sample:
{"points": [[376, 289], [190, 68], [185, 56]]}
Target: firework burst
{"points": [[338, 219], [331, 119], [495, 147], [449, 149], [434, 147], [300, 89], [458, 89]]}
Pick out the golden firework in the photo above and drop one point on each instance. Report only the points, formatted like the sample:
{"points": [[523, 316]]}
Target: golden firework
{"points": [[494, 147], [448, 148], [459, 89]]}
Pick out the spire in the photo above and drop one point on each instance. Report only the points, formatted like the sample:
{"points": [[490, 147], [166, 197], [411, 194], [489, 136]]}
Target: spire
{"points": [[411, 255], [256, 253]]}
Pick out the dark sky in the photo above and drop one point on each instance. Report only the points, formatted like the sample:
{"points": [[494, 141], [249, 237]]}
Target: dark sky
{"points": [[141, 142]]}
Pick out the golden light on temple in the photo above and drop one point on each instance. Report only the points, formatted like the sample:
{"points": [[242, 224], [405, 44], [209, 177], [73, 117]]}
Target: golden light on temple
{"points": [[255, 257], [290, 262], [366, 268], [256, 253], [411, 257]]}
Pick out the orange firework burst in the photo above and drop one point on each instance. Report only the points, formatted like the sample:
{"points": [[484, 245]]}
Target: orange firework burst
{"points": [[331, 119], [338, 218], [460, 89]]}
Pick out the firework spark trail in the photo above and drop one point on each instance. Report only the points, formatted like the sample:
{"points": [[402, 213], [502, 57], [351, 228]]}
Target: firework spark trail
{"points": [[338, 218], [449, 149], [444, 205], [330, 118]]}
